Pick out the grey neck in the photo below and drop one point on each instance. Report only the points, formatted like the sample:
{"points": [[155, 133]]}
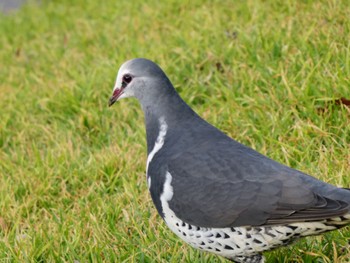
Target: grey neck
{"points": [[170, 107]]}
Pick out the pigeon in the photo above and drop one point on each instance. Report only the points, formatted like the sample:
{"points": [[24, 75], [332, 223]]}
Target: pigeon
{"points": [[215, 193]]}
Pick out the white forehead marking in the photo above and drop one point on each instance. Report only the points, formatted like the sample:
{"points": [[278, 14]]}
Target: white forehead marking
{"points": [[122, 71]]}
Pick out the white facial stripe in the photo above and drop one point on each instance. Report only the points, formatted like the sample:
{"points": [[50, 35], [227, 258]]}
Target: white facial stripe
{"points": [[163, 128]]}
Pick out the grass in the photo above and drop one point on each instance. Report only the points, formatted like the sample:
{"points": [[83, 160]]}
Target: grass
{"points": [[72, 170]]}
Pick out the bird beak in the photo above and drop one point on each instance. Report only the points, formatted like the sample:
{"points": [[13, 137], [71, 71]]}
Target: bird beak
{"points": [[116, 94]]}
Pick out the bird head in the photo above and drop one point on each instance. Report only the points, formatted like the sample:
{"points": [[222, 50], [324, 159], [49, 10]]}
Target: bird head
{"points": [[138, 78]]}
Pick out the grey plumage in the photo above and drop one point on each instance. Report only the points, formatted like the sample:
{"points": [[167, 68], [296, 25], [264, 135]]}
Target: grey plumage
{"points": [[216, 182]]}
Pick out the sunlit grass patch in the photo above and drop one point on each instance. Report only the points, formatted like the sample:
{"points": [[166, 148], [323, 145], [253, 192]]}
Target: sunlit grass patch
{"points": [[72, 170]]}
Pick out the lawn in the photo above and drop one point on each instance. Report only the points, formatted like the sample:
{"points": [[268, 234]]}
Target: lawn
{"points": [[72, 170]]}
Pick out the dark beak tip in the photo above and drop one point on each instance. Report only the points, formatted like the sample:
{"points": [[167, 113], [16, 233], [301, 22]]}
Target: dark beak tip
{"points": [[111, 101]]}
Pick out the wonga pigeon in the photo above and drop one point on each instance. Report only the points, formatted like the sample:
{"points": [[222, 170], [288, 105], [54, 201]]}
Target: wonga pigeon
{"points": [[215, 193]]}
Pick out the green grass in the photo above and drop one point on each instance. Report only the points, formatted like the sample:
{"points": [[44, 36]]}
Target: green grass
{"points": [[72, 170]]}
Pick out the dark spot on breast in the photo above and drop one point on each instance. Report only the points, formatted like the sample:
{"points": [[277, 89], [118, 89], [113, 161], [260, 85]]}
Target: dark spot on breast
{"points": [[292, 227], [228, 247], [257, 241], [258, 229], [189, 227], [183, 224], [286, 241], [270, 234], [202, 243], [249, 235], [226, 235], [217, 235], [279, 232]]}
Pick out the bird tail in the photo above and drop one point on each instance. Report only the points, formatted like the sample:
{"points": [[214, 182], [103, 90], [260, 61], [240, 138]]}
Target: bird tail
{"points": [[318, 227], [339, 221]]}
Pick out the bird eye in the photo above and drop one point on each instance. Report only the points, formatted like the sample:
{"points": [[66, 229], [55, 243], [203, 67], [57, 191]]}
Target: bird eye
{"points": [[127, 78]]}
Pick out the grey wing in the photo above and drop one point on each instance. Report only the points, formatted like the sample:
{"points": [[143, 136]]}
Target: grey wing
{"points": [[223, 188]]}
